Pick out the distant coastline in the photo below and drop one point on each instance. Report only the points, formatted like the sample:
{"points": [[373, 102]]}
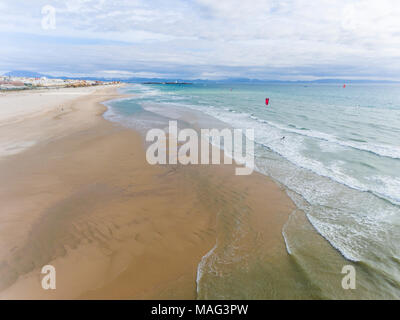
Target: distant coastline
{"points": [[179, 81], [12, 83], [175, 83]]}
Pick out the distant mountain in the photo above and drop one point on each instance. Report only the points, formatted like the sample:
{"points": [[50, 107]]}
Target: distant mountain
{"points": [[257, 81], [350, 81], [31, 74], [23, 73]]}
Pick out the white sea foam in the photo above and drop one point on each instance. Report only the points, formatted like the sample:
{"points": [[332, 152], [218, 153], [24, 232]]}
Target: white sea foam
{"points": [[352, 220], [201, 266], [285, 239], [380, 150], [291, 149]]}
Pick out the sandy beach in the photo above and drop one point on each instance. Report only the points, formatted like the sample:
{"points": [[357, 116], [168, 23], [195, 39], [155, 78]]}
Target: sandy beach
{"points": [[77, 193]]}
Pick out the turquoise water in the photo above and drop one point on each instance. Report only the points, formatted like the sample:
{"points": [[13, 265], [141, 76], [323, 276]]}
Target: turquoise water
{"points": [[339, 160]]}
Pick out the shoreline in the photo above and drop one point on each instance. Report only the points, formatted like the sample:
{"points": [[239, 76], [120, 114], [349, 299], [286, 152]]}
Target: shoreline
{"points": [[112, 225]]}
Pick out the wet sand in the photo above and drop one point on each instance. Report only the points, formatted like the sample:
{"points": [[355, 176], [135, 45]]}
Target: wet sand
{"points": [[83, 199]]}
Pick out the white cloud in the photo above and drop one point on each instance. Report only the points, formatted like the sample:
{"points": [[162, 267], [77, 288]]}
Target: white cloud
{"points": [[117, 73], [315, 38]]}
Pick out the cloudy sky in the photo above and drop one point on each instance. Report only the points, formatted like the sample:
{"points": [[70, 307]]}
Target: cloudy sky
{"points": [[209, 39]]}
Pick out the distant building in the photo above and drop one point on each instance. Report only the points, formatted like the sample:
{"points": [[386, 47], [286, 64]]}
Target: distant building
{"points": [[8, 83]]}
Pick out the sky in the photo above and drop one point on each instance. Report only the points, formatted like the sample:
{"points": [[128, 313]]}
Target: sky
{"points": [[203, 39]]}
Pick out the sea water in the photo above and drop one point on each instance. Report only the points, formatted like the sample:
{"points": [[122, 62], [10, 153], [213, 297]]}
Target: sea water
{"points": [[335, 150]]}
